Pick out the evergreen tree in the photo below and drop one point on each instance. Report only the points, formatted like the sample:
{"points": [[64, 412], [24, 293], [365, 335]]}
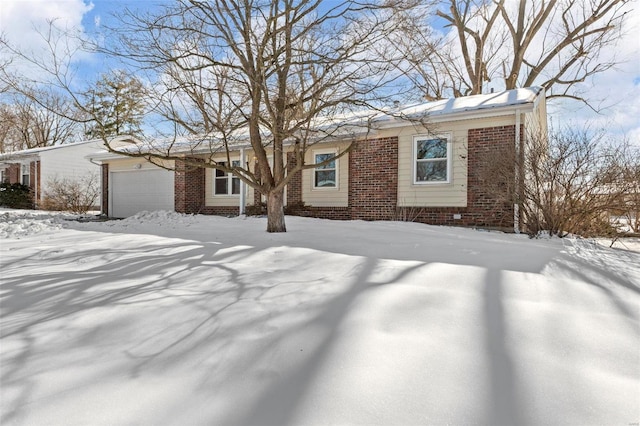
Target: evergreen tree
{"points": [[116, 104]]}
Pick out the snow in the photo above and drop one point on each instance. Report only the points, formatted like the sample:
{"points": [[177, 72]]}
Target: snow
{"points": [[16, 225], [171, 319], [11, 155], [507, 98], [341, 125]]}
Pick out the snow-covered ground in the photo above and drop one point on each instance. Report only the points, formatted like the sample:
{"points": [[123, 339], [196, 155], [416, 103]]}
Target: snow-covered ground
{"points": [[167, 319]]}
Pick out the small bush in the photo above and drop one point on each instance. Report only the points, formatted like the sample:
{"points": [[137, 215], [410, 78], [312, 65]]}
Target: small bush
{"points": [[407, 214], [15, 195], [77, 195], [256, 210]]}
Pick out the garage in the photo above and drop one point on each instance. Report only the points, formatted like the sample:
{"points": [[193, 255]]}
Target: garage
{"points": [[138, 190]]}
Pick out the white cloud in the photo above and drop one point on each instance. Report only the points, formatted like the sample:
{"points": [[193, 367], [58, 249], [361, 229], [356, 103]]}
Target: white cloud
{"points": [[616, 91], [19, 19], [22, 21]]}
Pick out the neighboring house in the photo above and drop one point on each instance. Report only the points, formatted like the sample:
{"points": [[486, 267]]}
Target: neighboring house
{"points": [[38, 167], [431, 173]]}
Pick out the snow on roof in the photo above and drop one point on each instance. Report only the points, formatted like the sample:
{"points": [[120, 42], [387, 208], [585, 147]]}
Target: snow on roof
{"points": [[469, 104], [358, 122], [34, 151]]}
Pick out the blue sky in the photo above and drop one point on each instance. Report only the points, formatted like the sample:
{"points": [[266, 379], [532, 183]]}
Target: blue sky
{"points": [[619, 88]]}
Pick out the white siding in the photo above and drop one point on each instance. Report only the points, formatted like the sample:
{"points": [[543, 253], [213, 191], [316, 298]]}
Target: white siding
{"points": [[132, 164], [326, 197], [453, 193], [67, 161], [218, 200]]}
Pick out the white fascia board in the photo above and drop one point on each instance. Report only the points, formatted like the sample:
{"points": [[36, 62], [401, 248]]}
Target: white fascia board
{"points": [[37, 151], [458, 116], [103, 156], [11, 158]]}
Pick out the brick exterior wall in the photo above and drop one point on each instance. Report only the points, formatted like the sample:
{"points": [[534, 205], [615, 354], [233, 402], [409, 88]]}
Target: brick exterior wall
{"points": [[373, 183], [488, 202], [221, 210], [104, 176], [334, 213], [294, 188], [189, 187], [373, 179], [373, 186], [13, 173]]}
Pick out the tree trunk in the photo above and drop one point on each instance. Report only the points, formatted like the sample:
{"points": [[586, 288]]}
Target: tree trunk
{"points": [[275, 211]]}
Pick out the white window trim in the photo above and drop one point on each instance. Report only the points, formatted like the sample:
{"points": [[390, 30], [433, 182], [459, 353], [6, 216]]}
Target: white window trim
{"points": [[229, 178], [337, 168], [24, 167], [414, 161]]}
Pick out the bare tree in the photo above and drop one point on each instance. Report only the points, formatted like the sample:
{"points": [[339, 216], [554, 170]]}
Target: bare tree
{"points": [[555, 44], [25, 124], [572, 181], [277, 77], [421, 53], [627, 163], [74, 194], [266, 74], [35, 103]]}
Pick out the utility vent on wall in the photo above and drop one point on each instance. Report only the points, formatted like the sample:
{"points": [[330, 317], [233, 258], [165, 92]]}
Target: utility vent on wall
{"points": [[457, 216]]}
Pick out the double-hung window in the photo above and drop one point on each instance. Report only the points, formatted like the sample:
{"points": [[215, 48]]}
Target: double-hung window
{"points": [[225, 183], [432, 159], [326, 175], [25, 175]]}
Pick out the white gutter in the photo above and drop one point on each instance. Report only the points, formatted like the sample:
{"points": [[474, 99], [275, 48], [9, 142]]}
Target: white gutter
{"points": [[516, 206], [243, 186], [438, 117]]}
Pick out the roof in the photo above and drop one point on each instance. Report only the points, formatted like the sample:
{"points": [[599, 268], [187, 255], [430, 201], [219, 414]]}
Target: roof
{"points": [[35, 151], [468, 106], [476, 106]]}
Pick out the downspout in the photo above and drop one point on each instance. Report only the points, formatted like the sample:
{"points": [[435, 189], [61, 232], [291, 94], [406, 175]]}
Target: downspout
{"points": [[101, 183], [516, 205], [243, 186]]}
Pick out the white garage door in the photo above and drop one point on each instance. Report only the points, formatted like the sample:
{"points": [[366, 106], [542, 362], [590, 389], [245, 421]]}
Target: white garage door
{"points": [[135, 191]]}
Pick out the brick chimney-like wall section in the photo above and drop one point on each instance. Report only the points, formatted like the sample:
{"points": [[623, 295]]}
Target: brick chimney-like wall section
{"points": [[294, 188], [189, 187], [490, 206], [13, 173], [373, 179]]}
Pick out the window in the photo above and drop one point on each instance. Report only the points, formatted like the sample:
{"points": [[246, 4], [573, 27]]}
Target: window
{"points": [[431, 155], [325, 176], [25, 174], [3, 176], [226, 183]]}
